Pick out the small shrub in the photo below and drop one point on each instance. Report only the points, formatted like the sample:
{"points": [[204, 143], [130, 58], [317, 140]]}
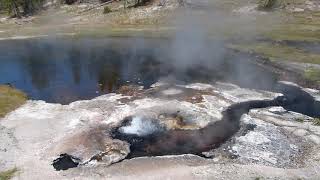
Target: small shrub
{"points": [[267, 4], [301, 120], [106, 10], [6, 175], [316, 121]]}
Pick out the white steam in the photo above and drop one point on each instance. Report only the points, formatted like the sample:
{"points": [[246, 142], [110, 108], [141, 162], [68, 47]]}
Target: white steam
{"points": [[140, 127]]}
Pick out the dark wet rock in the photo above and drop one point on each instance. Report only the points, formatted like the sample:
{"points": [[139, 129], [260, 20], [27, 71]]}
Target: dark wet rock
{"points": [[65, 161], [297, 99]]}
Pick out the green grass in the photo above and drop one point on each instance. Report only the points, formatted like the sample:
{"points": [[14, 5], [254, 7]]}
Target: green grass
{"points": [[296, 31], [6, 175], [10, 99], [313, 74], [303, 26], [279, 52]]}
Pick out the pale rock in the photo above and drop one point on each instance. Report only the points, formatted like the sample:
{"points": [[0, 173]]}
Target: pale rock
{"points": [[298, 10], [172, 91], [314, 138], [300, 132], [254, 138]]}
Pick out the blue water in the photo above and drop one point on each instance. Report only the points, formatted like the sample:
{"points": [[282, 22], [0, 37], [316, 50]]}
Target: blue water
{"points": [[65, 70]]}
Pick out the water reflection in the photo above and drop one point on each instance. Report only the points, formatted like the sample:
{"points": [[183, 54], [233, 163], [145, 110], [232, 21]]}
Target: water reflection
{"points": [[39, 70], [76, 67], [65, 70]]}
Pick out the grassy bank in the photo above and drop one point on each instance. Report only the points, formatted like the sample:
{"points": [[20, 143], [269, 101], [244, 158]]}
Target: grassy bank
{"points": [[6, 175], [279, 52], [297, 26], [313, 75], [10, 99]]}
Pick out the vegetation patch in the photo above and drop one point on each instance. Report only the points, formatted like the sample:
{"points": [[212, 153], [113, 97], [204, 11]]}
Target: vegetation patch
{"points": [[279, 52], [106, 10], [313, 74], [303, 26], [301, 120], [6, 175], [267, 4], [316, 121], [14, 7], [10, 99]]}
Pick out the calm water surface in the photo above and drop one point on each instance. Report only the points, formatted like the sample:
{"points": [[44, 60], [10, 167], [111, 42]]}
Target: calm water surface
{"points": [[62, 71], [65, 70]]}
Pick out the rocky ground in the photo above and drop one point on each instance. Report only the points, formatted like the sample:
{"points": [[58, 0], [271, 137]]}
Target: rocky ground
{"points": [[272, 143]]}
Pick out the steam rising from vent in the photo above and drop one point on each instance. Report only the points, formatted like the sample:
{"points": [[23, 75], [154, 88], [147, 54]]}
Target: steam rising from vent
{"points": [[141, 127]]}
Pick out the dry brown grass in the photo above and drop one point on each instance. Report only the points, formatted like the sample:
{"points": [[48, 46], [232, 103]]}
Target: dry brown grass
{"points": [[6, 175], [10, 99]]}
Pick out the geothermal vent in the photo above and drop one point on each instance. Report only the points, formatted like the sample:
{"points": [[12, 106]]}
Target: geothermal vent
{"points": [[171, 135]]}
